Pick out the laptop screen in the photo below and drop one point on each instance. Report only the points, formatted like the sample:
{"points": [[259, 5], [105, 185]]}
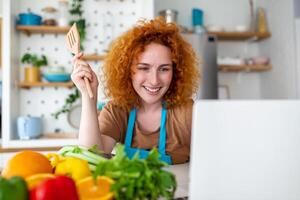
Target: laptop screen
{"points": [[245, 150]]}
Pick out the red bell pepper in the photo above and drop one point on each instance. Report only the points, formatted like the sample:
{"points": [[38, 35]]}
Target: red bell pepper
{"points": [[59, 188]]}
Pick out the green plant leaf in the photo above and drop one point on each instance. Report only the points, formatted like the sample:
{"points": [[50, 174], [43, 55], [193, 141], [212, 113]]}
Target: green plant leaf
{"points": [[69, 101], [77, 11], [34, 60]]}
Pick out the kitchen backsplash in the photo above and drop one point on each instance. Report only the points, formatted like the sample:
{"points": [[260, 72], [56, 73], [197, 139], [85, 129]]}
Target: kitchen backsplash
{"points": [[105, 19]]}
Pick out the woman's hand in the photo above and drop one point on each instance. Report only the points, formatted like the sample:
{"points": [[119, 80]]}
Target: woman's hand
{"points": [[82, 69]]}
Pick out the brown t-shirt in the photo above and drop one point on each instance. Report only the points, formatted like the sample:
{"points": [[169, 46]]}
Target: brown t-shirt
{"points": [[113, 122]]}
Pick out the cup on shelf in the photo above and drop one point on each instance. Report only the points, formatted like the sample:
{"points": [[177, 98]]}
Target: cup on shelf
{"points": [[215, 28], [241, 28], [29, 127], [261, 60]]}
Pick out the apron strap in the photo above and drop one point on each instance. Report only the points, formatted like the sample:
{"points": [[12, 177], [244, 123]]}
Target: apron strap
{"points": [[163, 132], [129, 131]]}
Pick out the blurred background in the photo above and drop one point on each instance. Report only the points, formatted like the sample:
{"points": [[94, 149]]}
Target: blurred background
{"points": [[249, 49]]}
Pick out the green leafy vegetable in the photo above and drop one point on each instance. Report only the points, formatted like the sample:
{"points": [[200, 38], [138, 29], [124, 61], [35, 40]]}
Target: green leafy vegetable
{"points": [[138, 178]]}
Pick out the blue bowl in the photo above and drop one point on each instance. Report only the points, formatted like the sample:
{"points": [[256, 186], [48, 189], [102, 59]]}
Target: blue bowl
{"points": [[57, 77], [29, 19]]}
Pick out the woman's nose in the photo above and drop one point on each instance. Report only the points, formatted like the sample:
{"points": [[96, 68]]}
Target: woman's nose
{"points": [[154, 78]]}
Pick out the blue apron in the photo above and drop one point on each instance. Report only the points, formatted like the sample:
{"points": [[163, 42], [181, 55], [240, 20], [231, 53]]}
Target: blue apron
{"points": [[162, 138]]}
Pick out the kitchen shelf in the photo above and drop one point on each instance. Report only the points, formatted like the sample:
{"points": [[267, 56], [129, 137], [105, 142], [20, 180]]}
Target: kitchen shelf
{"points": [[236, 36], [43, 29], [27, 85], [16, 149], [48, 140], [59, 136], [91, 57], [244, 68]]}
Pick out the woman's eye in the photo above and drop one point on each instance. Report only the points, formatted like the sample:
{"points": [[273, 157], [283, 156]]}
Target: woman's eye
{"points": [[143, 68], [165, 69]]}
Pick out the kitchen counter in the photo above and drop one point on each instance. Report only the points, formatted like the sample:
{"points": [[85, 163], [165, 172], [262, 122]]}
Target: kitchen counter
{"points": [[181, 172]]}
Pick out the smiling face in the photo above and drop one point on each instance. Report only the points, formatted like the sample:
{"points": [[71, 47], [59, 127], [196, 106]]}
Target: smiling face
{"points": [[153, 73]]}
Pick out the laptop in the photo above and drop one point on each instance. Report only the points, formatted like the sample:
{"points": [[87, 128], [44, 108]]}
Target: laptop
{"points": [[245, 150]]}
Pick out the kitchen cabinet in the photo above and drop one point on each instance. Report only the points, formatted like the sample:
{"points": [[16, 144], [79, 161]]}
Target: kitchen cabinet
{"points": [[105, 21]]}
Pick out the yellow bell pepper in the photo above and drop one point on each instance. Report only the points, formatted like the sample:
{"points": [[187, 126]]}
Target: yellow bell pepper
{"points": [[73, 167], [54, 158]]}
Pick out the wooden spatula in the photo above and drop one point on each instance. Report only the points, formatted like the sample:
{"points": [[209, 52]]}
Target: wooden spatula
{"points": [[73, 41]]}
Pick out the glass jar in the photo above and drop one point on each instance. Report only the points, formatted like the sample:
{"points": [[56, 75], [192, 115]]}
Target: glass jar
{"points": [[63, 13], [49, 17]]}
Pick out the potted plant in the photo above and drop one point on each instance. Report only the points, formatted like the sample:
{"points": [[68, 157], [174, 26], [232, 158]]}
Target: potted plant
{"points": [[32, 72]]}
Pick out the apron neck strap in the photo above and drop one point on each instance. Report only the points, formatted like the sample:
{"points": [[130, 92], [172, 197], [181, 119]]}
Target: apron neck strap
{"points": [[162, 133], [129, 131]]}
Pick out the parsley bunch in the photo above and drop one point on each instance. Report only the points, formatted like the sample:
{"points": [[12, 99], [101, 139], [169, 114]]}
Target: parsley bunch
{"points": [[138, 178]]}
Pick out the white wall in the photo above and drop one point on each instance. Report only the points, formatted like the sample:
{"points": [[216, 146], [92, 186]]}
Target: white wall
{"points": [[242, 85], [1, 7], [229, 14], [297, 8], [281, 81], [1, 44]]}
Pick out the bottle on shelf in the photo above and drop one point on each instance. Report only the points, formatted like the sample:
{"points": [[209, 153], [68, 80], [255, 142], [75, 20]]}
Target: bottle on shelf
{"points": [[262, 21], [197, 15]]}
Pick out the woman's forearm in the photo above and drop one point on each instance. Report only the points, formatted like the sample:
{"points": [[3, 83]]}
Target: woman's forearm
{"points": [[89, 132]]}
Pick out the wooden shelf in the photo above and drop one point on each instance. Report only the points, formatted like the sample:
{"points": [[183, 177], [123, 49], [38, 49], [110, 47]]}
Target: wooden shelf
{"points": [[59, 136], [43, 29], [14, 150], [244, 68], [236, 36], [91, 57], [26, 85]]}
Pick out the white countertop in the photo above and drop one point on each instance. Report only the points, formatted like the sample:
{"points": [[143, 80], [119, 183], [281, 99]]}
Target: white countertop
{"points": [[181, 172]]}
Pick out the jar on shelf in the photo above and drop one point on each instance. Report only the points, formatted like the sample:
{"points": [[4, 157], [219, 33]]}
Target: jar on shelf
{"points": [[63, 13], [49, 18]]}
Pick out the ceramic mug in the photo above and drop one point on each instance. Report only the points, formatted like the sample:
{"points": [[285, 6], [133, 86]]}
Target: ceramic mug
{"points": [[29, 127]]}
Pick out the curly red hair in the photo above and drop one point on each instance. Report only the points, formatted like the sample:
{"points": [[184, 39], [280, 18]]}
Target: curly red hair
{"points": [[125, 49]]}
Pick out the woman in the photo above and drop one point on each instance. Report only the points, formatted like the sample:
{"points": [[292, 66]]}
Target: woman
{"points": [[150, 76]]}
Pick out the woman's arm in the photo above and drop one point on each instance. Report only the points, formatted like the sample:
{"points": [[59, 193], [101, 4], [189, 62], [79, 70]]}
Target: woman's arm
{"points": [[89, 132]]}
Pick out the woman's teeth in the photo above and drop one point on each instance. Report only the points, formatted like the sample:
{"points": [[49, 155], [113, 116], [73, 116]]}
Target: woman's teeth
{"points": [[152, 89]]}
